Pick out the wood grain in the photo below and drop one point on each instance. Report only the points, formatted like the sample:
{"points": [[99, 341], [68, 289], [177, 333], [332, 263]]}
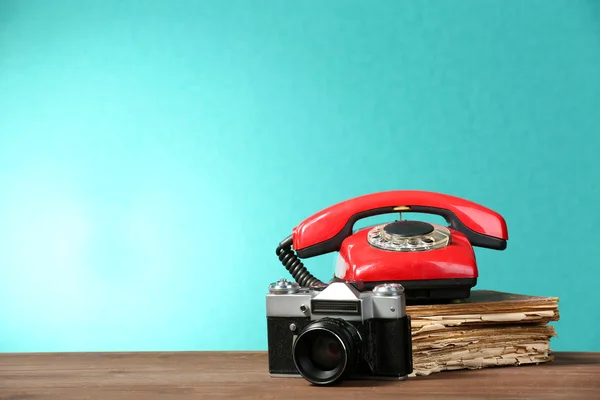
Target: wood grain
{"points": [[243, 375]]}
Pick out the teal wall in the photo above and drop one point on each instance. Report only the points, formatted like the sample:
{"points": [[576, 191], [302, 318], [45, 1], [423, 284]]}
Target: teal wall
{"points": [[153, 153]]}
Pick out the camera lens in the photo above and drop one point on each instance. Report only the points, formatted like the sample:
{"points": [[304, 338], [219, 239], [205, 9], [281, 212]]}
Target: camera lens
{"points": [[326, 350]]}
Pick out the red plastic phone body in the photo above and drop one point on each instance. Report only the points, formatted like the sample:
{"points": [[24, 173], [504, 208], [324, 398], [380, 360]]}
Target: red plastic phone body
{"points": [[450, 271], [366, 263]]}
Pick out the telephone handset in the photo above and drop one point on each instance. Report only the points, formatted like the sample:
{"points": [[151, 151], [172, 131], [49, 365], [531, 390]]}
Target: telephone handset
{"points": [[470, 224]]}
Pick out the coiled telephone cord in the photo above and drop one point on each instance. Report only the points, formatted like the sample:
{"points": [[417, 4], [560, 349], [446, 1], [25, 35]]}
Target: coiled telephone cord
{"points": [[292, 263]]}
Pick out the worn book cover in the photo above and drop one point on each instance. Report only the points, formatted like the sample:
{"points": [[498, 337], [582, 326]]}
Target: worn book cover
{"points": [[486, 307]]}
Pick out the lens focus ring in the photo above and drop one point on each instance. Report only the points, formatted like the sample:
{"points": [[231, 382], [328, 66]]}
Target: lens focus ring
{"points": [[327, 350]]}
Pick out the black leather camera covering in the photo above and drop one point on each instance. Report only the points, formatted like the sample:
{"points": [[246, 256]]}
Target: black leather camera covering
{"points": [[386, 348]]}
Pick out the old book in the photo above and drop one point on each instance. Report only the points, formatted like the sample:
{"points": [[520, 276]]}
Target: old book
{"points": [[488, 329]]}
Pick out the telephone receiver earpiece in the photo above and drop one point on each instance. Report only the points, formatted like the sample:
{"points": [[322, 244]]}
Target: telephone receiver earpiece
{"points": [[325, 231]]}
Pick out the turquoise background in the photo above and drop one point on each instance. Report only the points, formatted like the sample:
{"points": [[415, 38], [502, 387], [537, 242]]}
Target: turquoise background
{"points": [[153, 153]]}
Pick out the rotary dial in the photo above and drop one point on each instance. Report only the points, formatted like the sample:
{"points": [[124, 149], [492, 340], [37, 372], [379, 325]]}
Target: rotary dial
{"points": [[409, 236]]}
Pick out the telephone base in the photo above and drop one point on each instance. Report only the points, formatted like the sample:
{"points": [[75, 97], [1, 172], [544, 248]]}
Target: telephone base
{"points": [[429, 291]]}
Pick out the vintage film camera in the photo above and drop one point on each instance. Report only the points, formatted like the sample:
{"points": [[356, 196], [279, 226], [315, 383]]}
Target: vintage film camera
{"points": [[329, 332]]}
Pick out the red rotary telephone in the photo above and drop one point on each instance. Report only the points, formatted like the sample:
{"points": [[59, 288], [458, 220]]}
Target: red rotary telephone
{"points": [[432, 262]]}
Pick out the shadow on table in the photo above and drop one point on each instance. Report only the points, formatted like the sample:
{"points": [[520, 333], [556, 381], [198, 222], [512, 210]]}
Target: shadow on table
{"points": [[384, 383], [574, 359], [381, 383], [358, 383]]}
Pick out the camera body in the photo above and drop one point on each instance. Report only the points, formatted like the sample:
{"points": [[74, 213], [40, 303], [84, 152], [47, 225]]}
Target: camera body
{"points": [[329, 332]]}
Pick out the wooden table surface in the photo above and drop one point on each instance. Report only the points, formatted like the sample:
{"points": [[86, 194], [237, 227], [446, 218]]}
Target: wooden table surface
{"points": [[223, 375]]}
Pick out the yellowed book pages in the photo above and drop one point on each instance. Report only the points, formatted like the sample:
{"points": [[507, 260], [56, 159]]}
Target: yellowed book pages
{"points": [[490, 329]]}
